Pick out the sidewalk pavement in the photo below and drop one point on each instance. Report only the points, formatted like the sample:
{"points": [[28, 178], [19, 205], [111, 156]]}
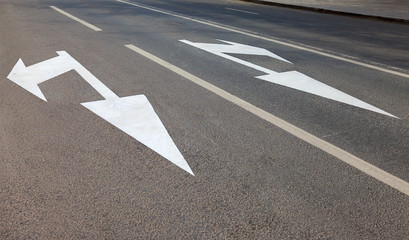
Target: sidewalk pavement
{"points": [[393, 10]]}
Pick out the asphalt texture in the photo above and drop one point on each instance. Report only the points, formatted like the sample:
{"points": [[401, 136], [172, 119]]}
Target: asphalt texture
{"points": [[391, 10], [68, 174]]}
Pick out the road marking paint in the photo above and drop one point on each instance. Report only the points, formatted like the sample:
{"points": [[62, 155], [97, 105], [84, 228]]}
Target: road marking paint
{"points": [[244, 32], [327, 147], [291, 79], [133, 115], [223, 50], [238, 10], [29, 77], [76, 19]]}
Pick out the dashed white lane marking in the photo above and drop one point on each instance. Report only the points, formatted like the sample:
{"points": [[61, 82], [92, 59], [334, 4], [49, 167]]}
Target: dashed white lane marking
{"points": [[231, 29], [335, 151], [76, 19], [238, 10]]}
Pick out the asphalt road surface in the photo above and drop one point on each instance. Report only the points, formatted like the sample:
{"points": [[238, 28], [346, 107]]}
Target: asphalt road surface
{"points": [[194, 119]]}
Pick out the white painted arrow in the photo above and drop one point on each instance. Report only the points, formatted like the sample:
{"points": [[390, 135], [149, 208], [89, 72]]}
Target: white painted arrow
{"points": [[236, 48], [133, 115], [29, 77], [291, 79]]}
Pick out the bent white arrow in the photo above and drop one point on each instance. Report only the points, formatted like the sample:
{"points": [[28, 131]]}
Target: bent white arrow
{"points": [[292, 79], [133, 115], [29, 77]]}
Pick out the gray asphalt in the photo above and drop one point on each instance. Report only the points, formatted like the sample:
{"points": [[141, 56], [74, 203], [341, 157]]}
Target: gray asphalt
{"points": [[368, 40], [68, 174]]}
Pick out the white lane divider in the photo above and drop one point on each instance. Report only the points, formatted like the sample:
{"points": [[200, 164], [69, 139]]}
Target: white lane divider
{"points": [[133, 115], [76, 19], [327, 147], [269, 39], [243, 11]]}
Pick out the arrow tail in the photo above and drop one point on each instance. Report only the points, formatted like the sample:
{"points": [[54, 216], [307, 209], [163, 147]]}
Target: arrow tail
{"points": [[50, 68], [234, 48]]}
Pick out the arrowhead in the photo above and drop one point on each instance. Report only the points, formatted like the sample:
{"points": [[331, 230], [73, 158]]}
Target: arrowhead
{"points": [[21, 76], [306, 84], [19, 67], [135, 116]]}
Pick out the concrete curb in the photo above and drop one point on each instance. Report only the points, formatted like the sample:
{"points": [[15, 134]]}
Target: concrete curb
{"points": [[328, 11]]}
